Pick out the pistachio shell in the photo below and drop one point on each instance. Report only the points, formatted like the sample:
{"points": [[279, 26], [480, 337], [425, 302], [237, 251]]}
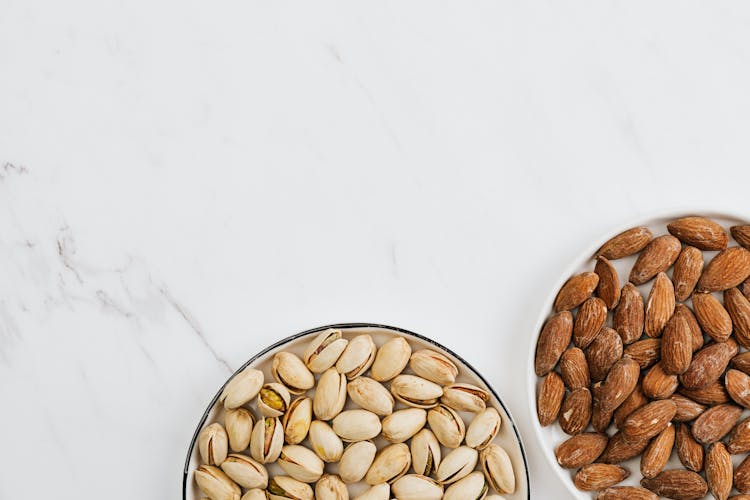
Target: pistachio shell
{"points": [[267, 440], [447, 425], [457, 464], [324, 350], [425, 452], [331, 487], [472, 487], [214, 483], [325, 443], [465, 397], [416, 391], [370, 395], [245, 471], [330, 395], [297, 420], [376, 492], [288, 488], [433, 366], [391, 359], [417, 487], [213, 444], [499, 469], [239, 424], [254, 494], [241, 388], [356, 425], [273, 400], [403, 424], [483, 428], [356, 461], [390, 463], [292, 373], [301, 463], [357, 357]]}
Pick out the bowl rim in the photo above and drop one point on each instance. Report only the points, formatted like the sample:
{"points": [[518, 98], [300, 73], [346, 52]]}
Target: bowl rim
{"points": [[291, 338], [575, 264]]}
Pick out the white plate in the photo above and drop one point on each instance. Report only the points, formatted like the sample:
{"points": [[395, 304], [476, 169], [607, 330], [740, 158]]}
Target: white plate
{"points": [[551, 436], [508, 436]]}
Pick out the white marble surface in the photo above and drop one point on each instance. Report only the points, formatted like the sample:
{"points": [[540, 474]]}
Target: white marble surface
{"points": [[186, 182]]}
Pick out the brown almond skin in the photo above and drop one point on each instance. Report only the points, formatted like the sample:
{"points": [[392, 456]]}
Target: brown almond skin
{"points": [[649, 420], [589, 320], [595, 477], [742, 476], [645, 352], [687, 409], [700, 232], [708, 364], [695, 330], [577, 289], [603, 352], [609, 282], [712, 394], [626, 243], [739, 439], [718, 465], [549, 401], [715, 423], [727, 270], [689, 451], [620, 382], [601, 417], [741, 235], [657, 453], [630, 314], [657, 384], [745, 288], [738, 308], [677, 484], [575, 413], [657, 257], [712, 317], [626, 493], [574, 369], [739, 497], [619, 450], [636, 400], [580, 450], [659, 306], [738, 387], [742, 362], [553, 340], [687, 270], [677, 346]]}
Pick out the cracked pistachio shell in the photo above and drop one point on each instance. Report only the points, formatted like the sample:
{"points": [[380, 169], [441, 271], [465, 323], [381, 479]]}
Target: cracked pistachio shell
{"points": [[425, 452], [483, 429], [356, 425], [498, 468], [325, 443], [239, 425], [267, 440], [288, 370], [213, 482], [391, 359], [288, 488], [331, 487], [273, 400], [416, 391], [403, 424], [297, 419], [301, 463], [330, 395], [213, 444], [371, 395], [457, 464], [472, 487], [447, 425], [241, 388], [390, 463], [356, 461], [357, 357], [417, 487], [254, 494], [245, 471], [377, 492], [433, 366], [465, 397], [323, 352]]}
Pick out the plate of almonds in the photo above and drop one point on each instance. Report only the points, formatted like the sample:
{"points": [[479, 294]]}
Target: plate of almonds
{"points": [[639, 371], [361, 411]]}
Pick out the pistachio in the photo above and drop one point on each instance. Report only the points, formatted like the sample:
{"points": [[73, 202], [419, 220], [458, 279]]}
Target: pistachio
{"points": [[377, 492], [331, 487], [245, 471], [447, 425], [273, 400], [391, 359], [239, 423], [241, 388], [498, 468], [254, 494], [433, 366], [390, 463], [356, 461], [217, 485], [416, 391], [417, 487], [457, 464], [325, 443], [297, 420], [425, 452], [483, 429], [370, 395], [465, 397], [357, 357], [330, 395], [288, 488], [301, 463], [356, 425], [324, 350], [292, 373], [403, 424], [212, 444], [472, 487], [267, 440]]}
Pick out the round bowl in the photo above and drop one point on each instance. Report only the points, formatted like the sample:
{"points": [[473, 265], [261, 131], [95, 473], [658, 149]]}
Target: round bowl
{"points": [[508, 436]]}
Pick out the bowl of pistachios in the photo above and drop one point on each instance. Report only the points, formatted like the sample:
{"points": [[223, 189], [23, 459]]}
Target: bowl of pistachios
{"points": [[356, 410]]}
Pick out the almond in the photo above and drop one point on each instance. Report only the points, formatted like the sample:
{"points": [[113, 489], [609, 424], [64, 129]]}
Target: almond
{"points": [[738, 387], [712, 394], [695, 330], [649, 420], [553, 339], [609, 282], [636, 400], [741, 235], [657, 453], [626, 493], [575, 413], [739, 439], [619, 450], [645, 352], [712, 316], [659, 306], [715, 423], [577, 289], [601, 416], [687, 409], [745, 288], [549, 401], [677, 346], [739, 497], [708, 364], [677, 484], [620, 382], [727, 270], [594, 477], [689, 451], [687, 270], [742, 362], [657, 384], [603, 352], [574, 369], [738, 308], [580, 450], [626, 243], [719, 471], [589, 321], [658, 256], [742, 476], [629, 314], [700, 232]]}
